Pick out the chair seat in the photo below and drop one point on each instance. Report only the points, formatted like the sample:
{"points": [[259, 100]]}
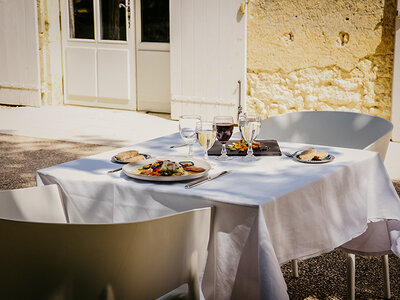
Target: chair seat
{"points": [[375, 241]]}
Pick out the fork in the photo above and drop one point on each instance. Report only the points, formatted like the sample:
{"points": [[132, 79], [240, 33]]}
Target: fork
{"points": [[288, 154]]}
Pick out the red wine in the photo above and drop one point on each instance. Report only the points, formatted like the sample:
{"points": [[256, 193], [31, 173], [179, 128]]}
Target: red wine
{"points": [[224, 132]]}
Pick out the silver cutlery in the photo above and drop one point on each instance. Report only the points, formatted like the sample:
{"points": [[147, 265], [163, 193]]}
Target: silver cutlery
{"points": [[178, 146], [206, 179], [288, 154], [116, 170]]}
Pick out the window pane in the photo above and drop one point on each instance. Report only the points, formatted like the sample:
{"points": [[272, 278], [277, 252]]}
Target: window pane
{"points": [[113, 20], [81, 20], [155, 21]]}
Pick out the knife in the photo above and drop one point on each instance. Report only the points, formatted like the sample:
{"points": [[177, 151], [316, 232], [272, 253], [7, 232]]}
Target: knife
{"points": [[208, 178], [116, 170], [177, 146]]}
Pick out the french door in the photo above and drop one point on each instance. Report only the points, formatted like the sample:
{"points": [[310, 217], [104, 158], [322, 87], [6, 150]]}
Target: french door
{"points": [[99, 53]]}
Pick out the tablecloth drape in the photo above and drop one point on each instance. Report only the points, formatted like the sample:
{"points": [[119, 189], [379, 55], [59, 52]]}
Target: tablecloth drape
{"points": [[266, 212]]}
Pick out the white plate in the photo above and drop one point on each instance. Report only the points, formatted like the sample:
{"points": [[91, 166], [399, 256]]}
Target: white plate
{"points": [[116, 160], [327, 159], [130, 168]]}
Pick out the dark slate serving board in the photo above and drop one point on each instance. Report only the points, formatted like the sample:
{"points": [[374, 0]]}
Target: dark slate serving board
{"points": [[267, 148]]}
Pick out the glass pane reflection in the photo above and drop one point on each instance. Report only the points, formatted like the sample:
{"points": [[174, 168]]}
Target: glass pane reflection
{"points": [[113, 20], [155, 21], [81, 19]]}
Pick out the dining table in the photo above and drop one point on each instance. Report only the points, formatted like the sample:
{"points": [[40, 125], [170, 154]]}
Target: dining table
{"points": [[267, 212]]}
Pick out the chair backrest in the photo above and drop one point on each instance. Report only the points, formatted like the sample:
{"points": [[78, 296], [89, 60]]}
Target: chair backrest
{"points": [[35, 204], [140, 260], [330, 128]]}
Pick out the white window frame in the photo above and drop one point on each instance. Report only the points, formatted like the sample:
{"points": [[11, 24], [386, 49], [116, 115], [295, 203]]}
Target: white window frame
{"points": [[145, 46]]}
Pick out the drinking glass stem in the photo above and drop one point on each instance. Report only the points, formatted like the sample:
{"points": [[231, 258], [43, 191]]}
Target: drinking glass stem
{"points": [[250, 149], [206, 154], [223, 151], [190, 154]]}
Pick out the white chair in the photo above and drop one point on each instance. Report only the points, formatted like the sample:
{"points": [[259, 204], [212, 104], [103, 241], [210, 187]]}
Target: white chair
{"points": [[375, 241], [35, 204], [340, 129], [330, 128], [140, 260]]}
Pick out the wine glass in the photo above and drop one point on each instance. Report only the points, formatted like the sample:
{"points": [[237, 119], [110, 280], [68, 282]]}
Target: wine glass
{"points": [[249, 125], [187, 128], [206, 134], [224, 126]]}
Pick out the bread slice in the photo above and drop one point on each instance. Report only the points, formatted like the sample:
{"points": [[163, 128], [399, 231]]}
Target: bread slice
{"points": [[136, 158], [320, 155], [312, 154], [307, 154], [127, 155]]}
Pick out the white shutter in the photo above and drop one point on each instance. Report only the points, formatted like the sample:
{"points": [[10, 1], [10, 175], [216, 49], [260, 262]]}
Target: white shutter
{"points": [[396, 85], [19, 53], [208, 57]]}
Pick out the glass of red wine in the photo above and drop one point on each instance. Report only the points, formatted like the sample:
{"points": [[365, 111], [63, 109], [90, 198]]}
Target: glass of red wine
{"points": [[224, 126]]}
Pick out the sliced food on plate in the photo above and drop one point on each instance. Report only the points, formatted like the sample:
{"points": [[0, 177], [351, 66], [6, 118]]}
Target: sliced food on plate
{"points": [[129, 156], [169, 168], [312, 154]]}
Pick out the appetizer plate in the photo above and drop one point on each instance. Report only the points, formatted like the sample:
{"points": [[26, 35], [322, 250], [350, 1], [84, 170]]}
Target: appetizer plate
{"points": [[327, 159], [116, 160], [130, 169]]}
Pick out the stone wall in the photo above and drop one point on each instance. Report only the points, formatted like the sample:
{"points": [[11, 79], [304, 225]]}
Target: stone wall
{"points": [[320, 55]]}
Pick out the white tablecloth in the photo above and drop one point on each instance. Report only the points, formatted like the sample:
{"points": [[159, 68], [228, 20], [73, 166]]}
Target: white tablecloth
{"points": [[267, 212]]}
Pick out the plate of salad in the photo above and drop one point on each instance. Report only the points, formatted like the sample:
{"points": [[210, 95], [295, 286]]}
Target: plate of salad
{"points": [[167, 169]]}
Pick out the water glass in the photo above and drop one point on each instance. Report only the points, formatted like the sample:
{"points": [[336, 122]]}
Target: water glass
{"points": [[249, 125], [187, 128]]}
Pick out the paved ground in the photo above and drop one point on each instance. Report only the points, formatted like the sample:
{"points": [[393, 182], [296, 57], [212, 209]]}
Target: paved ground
{"points": [[322, 277], [89, 125], [110, 127]]}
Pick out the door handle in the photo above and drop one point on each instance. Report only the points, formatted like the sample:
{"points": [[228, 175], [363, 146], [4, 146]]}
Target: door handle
{"points": [[127, 7]]}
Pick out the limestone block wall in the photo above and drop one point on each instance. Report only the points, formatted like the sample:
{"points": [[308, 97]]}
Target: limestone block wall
{"points": [[320, 55], [50, 52]]}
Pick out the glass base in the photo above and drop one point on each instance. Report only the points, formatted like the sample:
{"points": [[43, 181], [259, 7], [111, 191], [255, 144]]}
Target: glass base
{"points": [[223, 157], [207, 159], [249, 158]]}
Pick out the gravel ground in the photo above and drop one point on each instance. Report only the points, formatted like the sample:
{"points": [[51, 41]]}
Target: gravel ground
{"points": [[323, 277]]}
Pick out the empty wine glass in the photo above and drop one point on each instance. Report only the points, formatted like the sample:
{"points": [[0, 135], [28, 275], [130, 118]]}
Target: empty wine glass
{"points": [[224, 126], [249, 125], [187, 128], [206, 134]]}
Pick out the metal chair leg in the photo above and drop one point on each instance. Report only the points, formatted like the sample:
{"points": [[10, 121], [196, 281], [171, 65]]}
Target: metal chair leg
{"points": [[351, 276], [295, 268], [386, 279]]}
